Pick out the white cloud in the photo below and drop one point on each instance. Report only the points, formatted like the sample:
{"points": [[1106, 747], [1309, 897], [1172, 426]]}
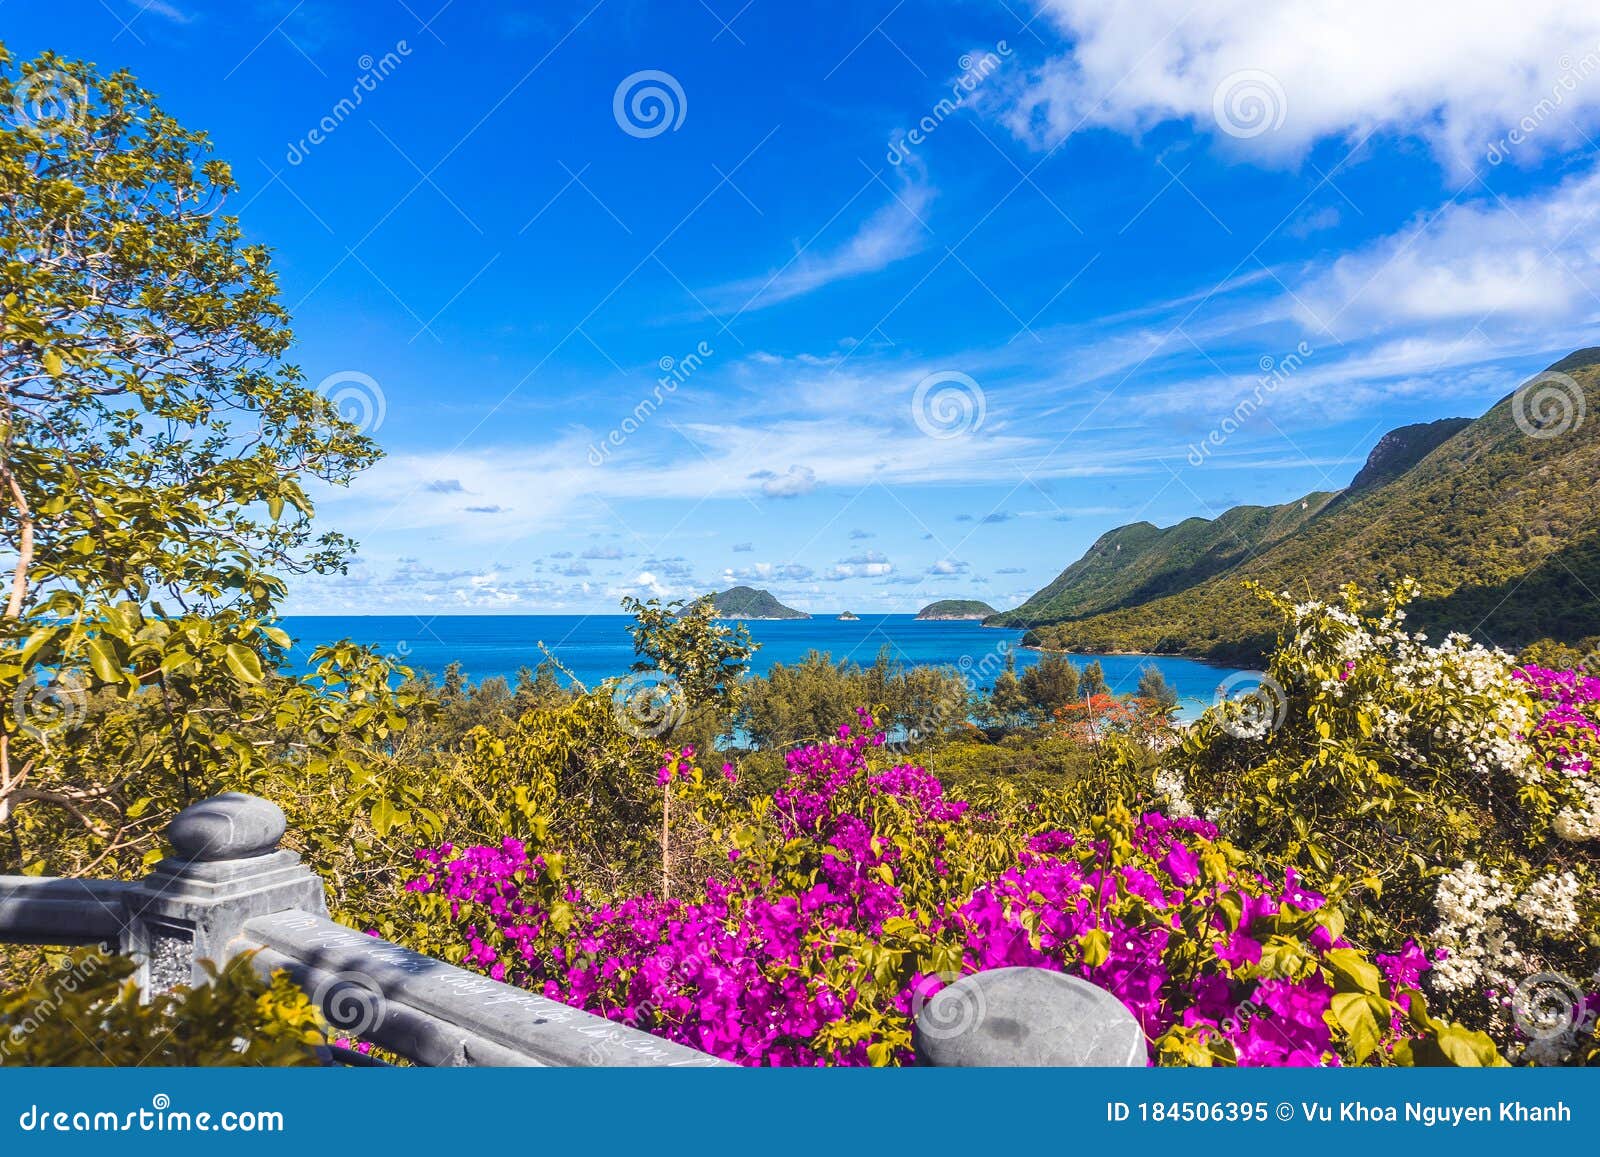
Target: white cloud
{"points": [[551, 485], [161, 8], [893, 232], [1530, 259], [872, 564], [767, 572], [799, 480], [647, 582], [1458, 73], [1452, 307]]}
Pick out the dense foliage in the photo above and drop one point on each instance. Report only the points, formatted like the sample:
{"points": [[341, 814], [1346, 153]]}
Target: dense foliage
{"points": [[1441, 790], [86, 1011], [1430, 898], [154, 453], [858, 889]]}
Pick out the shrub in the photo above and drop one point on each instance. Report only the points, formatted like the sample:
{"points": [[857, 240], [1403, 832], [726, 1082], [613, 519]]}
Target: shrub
{"points": [[858, 889], [88, 1012], [1440, 792]]}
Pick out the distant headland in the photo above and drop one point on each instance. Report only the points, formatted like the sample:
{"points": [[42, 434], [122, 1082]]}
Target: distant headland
{"points": [[956, 609], [752, 603]]}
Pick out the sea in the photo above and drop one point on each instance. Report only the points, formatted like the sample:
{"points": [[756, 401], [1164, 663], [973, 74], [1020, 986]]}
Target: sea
{"points": [[594, 647]]}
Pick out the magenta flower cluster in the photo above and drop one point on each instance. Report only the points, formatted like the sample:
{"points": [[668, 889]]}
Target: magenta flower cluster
{"points": [[1569, 729], [765, 967]]}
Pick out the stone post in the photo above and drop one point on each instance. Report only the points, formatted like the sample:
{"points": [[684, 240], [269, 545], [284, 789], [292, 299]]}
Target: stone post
{"points": [[1010, 1017], [225, 868]]}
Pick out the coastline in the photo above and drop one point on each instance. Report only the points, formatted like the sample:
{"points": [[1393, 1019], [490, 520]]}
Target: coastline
{"points": [[1208, 661]]}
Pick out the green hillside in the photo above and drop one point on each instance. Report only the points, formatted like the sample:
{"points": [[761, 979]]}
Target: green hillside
{"points": [[1135, 564], [1400, 450], [752, 603], [1499, 525]]}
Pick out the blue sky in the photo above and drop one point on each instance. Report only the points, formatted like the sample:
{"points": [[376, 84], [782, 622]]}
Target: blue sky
{"points": [[748, 328]]}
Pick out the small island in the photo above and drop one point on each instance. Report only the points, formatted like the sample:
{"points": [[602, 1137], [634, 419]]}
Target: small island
{"points": [[849, 617], [956, 609], [752, 603]]}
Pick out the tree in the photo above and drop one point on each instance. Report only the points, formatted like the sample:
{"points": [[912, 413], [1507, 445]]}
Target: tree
{"points": [[539, 687], [1156, 691], [156, 448], [699, 661], [1007, 703], [1049, 683], [1094, 680], [811, 699]]}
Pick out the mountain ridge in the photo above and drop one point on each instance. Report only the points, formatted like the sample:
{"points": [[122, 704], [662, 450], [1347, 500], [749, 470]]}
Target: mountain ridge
{"points": [[1493, 515]]}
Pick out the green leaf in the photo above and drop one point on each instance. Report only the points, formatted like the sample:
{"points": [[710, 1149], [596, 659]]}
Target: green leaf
{"points": [[1361, 1015], [1095, 947], [386, 817], [1352, 972], [1468, 1049], [174, 661], [35, 641], [243, 662], [103, 660]]}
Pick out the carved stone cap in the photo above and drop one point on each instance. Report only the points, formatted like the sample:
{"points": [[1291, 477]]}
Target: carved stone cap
{"points": [[1026, 1017], [231, 826]]}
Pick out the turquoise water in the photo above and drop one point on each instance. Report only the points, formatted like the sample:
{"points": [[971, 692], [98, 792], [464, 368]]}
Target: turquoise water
{"points": [[594, 647]]}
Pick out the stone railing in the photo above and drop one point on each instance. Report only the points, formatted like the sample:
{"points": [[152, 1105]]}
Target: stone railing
{"points": [[228, 889]]}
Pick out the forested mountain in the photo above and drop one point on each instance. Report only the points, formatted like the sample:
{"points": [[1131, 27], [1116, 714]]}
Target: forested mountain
{"points": [[752, 603], [956, 609], [1497, 518], [1139, 562]]}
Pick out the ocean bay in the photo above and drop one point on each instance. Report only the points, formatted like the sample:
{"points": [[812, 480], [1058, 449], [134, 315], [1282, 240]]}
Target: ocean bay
{"points": [[595, 647]]}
